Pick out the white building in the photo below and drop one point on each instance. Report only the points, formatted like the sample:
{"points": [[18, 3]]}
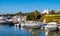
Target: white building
{"points": [[19, 18], [45, 11]]}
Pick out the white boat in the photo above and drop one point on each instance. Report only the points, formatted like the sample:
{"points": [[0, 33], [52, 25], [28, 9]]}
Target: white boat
{"points": [[32, 25], [51, 26], [2, 19]]}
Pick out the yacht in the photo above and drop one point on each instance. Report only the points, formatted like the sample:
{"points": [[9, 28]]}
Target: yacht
{"points": [[51, 26], [2, 19], [32, 25]]}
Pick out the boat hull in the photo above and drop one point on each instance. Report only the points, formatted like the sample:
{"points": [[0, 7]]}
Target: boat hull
{"points": [[52, 29]]}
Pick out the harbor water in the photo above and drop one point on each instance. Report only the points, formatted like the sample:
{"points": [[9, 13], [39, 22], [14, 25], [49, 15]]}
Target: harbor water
{"points": [[6, 30]]}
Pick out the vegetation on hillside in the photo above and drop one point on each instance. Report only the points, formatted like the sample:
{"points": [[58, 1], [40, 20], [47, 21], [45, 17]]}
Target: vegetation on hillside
{"points": [[55, 18], [37, 16], [34, 16]]}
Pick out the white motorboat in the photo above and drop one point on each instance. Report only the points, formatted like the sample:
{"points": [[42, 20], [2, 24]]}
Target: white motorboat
{"points": [[51, 26], [2, 19], [33, 25]]}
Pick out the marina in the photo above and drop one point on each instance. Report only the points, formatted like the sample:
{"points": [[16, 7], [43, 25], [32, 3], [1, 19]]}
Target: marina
{"points": [[34, 28], [29, 17], [18, 21], [16, 26]]}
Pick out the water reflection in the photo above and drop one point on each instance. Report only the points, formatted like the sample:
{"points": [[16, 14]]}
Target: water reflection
{"points": [[53, 33], [31, 32], [36, 32], [6, 30]]}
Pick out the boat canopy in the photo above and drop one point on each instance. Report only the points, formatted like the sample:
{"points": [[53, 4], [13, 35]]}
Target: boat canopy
{"points": [[54, 23], [2, 18]]}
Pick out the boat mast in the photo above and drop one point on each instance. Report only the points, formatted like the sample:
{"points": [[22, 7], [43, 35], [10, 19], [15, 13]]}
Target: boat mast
{"points": [[36, 9], [36, 4]]}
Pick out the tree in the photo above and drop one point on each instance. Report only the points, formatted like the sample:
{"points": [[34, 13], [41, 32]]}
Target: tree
{"points": [[37, 15], [52, 12], [34, 16], [31, 16], [19, 13], [58, 12]]}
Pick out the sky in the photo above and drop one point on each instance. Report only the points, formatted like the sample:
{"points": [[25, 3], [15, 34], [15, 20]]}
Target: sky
{"points": [[14, 6]]}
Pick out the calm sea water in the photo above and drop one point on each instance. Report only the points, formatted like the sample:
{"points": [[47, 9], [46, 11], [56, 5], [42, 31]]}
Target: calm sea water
{"points": [[6, 30]]}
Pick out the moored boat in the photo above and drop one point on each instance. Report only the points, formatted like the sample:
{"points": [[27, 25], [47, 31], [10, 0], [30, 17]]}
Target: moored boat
{"points": [[51, 26], [32, 25]]}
